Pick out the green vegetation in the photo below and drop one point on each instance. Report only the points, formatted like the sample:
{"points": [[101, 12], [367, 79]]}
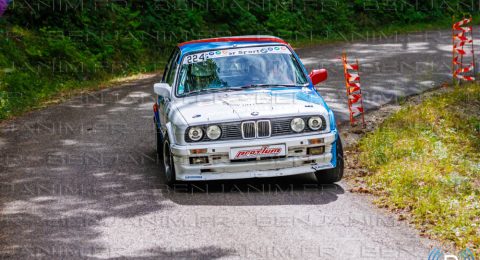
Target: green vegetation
{"points": [[425, 161], [50, 47]]}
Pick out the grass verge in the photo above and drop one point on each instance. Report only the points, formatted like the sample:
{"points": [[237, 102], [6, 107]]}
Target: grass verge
{"points": [[424, 162], [36, 68]]}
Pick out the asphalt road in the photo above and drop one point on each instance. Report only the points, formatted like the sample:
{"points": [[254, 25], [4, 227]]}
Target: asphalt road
{"points": [[390, 67], [81, 179]]}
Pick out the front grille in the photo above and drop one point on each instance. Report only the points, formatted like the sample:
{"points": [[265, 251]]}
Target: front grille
{"points": [[281, 127], [263, 128], [231, 131], [248, 130], [257, 129]]}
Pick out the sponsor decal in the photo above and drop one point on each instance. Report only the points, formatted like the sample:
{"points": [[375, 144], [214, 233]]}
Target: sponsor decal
{"points": [[204, 56], [263, 151]]}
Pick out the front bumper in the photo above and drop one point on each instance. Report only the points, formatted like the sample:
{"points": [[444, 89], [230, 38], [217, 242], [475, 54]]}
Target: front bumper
{"points": [[220, 167]]}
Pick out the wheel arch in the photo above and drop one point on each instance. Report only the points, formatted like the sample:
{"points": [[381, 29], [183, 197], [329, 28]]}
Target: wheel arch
{"points": [[334, 149], [168, 131]]}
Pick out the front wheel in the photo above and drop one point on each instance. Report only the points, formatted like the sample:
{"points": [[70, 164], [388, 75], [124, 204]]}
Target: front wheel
{"points": [[334, 174], [168, 164]]}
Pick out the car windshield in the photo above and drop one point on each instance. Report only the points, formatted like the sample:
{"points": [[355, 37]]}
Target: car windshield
{"points": [[234, 69]]}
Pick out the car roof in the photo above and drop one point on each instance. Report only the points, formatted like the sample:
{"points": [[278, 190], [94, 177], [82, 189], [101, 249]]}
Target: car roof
{"points": [[226, 42]]}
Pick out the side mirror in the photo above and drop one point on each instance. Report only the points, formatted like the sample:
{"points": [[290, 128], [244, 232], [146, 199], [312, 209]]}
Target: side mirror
{"points": [[162, 89], [318, 76]]}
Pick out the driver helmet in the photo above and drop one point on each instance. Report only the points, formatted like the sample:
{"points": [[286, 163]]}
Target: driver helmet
{"points": [[203, 73]]}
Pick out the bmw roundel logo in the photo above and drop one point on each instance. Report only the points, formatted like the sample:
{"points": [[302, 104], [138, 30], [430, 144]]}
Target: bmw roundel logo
{"points": [[254, 114]]}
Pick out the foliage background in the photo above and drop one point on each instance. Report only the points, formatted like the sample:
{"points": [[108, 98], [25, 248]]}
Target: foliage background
{"points": [[51, 46]]}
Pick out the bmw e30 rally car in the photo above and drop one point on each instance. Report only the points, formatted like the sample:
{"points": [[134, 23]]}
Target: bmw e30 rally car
{"points": [[243, 107]]}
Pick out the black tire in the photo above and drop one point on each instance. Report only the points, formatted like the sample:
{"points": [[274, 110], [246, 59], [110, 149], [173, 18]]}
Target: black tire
{"points": [[159, 141], [168, 164], [335, 174]]}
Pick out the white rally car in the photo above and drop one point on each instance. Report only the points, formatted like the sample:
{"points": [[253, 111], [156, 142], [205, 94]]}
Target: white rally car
{"points": [[243, 107]]}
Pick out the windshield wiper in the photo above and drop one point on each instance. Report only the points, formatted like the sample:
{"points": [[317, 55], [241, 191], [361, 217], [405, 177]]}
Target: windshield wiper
{"points": [[209, 90], [268, 86]]}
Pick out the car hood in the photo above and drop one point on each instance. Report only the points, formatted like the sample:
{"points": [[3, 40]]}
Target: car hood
{"points": [[248, 104]]}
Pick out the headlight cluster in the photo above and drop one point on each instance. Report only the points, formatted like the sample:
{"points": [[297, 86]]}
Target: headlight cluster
{"points": [[213, 132], [297, 125], [195, 133], [314, 123]]}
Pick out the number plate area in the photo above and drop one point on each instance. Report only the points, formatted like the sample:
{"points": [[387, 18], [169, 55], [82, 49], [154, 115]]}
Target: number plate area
{"points": [[257, 152]]}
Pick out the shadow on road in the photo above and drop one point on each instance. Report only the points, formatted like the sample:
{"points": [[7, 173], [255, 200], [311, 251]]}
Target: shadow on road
{"points": [[292, 190], [200, 253]]}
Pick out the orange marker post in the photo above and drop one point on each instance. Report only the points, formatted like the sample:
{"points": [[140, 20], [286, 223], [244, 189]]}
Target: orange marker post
{"points": [[462, 36], [354, 91]]}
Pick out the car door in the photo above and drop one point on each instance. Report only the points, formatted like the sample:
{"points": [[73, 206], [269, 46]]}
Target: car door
{"points": [[168, 77]]}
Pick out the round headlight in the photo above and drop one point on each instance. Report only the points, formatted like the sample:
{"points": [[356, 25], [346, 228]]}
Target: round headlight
{"points": [[214, 132], [315, 122], [297, 125], [195, 133]]}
